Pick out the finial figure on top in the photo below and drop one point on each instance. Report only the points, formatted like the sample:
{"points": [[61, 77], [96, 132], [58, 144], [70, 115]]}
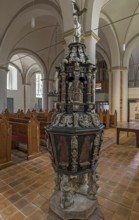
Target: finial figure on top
{"points": [[77, 26]]}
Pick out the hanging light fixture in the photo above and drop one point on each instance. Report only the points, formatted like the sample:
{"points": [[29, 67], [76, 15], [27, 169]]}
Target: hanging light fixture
{"points": [[33, 21], [33, 24], [123, 47]]}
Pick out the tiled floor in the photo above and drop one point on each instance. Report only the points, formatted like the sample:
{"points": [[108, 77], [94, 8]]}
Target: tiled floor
{"points": [[26, 187]]}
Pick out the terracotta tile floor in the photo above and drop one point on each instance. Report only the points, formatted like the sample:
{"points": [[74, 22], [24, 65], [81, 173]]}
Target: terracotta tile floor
{"points": [[26, 187]]}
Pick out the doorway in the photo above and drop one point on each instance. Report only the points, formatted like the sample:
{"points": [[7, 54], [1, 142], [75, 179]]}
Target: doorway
{"points": [[10, 104]]}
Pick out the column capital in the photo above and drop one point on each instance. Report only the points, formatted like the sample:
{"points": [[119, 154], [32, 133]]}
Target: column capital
{"points": [[91, 34], [120, 68], [27, 84], [68, 33], [47, 80], [4, 69]]}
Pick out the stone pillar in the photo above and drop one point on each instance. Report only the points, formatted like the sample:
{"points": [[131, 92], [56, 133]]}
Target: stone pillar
{"points": [[110, 91], [116, 91], [90, 41], [3, 88], [44, 95], [63, 93], [50, 103], [93, 98], [27, 97], [124, 94], [89, 88]]}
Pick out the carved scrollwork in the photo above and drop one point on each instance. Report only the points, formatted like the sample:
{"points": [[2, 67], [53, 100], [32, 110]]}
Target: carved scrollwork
{"points": [[95, 119], [97, 144], [66, 192], [76, 119], [92, 186], [57, 119], [66, 121], [74, 153], [85, 121]]}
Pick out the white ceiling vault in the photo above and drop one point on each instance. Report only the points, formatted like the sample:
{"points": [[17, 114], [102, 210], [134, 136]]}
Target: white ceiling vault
{"points": [[118, 25], [115, 22]]}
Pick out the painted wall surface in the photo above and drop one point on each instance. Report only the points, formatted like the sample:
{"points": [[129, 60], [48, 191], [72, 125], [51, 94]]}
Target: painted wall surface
{"points": [[17, 95], [133, 93], [134, 111], [102, 97]]}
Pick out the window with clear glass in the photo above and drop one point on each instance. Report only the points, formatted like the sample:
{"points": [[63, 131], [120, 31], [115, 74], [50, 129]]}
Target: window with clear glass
{"points": [[38, 85], [12, 78]]}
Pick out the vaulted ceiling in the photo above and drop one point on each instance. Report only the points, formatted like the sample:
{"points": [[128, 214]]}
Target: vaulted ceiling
{"points": [[118, 24]]}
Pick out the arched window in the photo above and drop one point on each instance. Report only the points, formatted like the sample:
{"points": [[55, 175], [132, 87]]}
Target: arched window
{"points": [[38, 85], [12, 78]]}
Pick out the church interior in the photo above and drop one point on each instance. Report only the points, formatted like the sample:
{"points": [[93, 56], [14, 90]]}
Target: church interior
{"points": [[36, 40]]}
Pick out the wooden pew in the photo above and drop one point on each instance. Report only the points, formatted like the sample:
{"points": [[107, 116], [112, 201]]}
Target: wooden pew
{"points": [[113, 119], [100, 115], [44, 118], [107, 119], [27, 132], [42, 121], [104, 117], [5, 143]]}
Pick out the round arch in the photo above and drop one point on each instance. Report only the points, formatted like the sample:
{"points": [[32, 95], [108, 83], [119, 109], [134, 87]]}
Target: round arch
{"points": [[93, 14], [112, 41], [21, 19], [35, 57], [134, 42], [68, 23], [104, 54]]}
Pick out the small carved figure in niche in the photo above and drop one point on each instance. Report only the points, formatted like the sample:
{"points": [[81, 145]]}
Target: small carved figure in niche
{"points": [[81, 92], [84, 157], [73, 54], [63, 150], [81, 55], [71, 92], [76, 65]]}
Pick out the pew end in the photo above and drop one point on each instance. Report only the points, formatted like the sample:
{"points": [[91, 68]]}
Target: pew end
{"points": [[5, 143]]}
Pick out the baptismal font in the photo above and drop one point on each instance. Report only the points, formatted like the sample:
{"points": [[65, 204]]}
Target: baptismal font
{"points": [[75, 136]]}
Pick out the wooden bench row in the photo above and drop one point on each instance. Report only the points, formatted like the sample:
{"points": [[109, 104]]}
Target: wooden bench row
{"points": [[44, 118], [42, 123], [14, 132], [40, 115], [107, 119]]}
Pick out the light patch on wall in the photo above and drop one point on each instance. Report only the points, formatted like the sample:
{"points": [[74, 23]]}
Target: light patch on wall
{"points": [[98, 86]]}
